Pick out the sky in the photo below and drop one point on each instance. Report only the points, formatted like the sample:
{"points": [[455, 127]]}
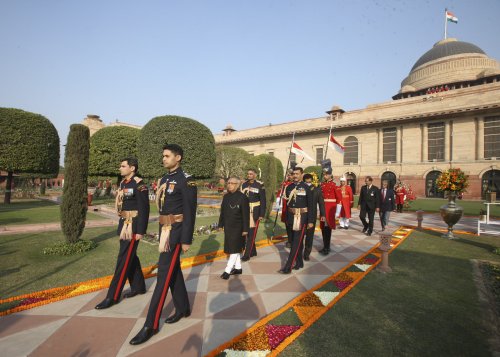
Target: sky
{"points": [[248, 63]]}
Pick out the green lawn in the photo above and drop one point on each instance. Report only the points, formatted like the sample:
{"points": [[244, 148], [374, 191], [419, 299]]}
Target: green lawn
{"points": [[428, 305], [471, 208], [24, 269], [33, 211]]}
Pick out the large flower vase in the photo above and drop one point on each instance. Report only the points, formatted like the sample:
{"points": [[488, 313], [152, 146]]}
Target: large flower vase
{"points": [[451, 214]]}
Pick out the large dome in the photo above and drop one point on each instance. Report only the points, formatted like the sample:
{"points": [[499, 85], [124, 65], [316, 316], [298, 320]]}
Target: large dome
{"points": [[447, 48], [448, 62]]}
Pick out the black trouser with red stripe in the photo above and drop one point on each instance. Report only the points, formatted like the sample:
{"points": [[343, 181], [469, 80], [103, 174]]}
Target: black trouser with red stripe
{"points": [[250, 250], [169, 276], [128, 267], [295, 256]]}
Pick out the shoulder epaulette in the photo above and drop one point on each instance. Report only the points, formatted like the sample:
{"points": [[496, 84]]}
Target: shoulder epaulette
{"points": [[191, 183], [137, 179], [262, 183], [186, 175]]}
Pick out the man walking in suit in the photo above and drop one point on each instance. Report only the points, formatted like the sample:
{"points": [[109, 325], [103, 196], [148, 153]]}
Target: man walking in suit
{"points": [[387, 204], [369, 202]]}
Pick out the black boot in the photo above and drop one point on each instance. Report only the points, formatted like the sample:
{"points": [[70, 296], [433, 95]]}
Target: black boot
{"points": [[176, 317], [236, 271], [143, 335], [132, 293], [105, 304]]}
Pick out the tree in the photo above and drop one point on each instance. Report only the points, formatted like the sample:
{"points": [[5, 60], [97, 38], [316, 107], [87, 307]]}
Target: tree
{"points": [[230, 161], [29, 146], [316, 169], [266, 166], [74, 200], [258, 161], [109, 146], [195, 139]]}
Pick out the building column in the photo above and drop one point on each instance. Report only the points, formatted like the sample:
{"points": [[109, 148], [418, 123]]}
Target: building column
{"points": [[446, 141], [480, 138], [424, 152], [399, 144], [380, 146]]}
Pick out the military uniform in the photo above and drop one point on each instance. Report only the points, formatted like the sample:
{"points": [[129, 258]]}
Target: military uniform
{"points": [[132, 205], [256, 194], [299, 213], [176, 199], [331, 197]]}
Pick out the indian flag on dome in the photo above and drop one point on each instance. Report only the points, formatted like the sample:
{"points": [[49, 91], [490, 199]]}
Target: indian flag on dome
{"points": [[451, 17]]}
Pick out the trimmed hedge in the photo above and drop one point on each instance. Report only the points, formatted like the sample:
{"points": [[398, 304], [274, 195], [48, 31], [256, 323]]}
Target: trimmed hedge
{"points": [[109, 146], [74, 200], [316, 169], [266, 166], [231, 161], [195, 139]]}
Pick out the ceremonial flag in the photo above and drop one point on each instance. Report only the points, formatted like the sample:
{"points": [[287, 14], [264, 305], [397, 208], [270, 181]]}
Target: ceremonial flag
{"points": [[296, 149], [451, 17], [335, 145]]}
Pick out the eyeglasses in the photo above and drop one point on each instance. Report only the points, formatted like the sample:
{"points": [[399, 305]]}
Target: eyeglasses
{"points": [[232, 183]]}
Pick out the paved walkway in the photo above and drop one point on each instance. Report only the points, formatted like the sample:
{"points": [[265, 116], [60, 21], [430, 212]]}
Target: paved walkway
{"points": [[220, 309]]}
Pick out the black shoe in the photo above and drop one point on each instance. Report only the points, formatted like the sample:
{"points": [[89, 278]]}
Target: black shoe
{"points": [[143, 335], [236, 271], [297, 267], [346, 227], [105, 304], [368, 233], [306, 258], [288, 245], [383, 229], [132, 293], [284, 271], [176, 317], [225, 276], [245, 259], [364, 230]]}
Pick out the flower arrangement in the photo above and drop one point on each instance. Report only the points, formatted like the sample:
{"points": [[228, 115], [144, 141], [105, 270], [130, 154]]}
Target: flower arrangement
{"points": [[454, 180]]}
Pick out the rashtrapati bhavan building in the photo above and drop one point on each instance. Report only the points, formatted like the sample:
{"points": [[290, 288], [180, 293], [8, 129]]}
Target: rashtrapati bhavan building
{"points": [[446, 114]]}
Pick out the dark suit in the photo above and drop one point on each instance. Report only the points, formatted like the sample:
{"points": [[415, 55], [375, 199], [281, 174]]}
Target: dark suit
{"points": [[257, 199], [387, 205], [369, 201], [317, 201]]}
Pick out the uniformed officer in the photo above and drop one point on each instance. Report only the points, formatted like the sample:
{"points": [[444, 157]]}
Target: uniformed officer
{"points": [[176, 199], [332, 198], [300, 216], [256, 194], [132, 205]]}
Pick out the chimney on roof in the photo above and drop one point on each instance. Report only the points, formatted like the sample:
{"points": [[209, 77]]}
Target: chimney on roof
{"points": [[228, 130], [335, 112]]}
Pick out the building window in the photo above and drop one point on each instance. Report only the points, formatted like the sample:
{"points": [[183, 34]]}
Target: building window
{"points": [[491, 183], [431, 186], [435, 142], [390, 138], [271, 153], [319, 155], [390, 177], [351, 150], [492, 137]]}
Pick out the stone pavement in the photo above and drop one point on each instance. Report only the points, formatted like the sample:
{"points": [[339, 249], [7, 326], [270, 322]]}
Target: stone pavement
{"points": [[220, 309]]}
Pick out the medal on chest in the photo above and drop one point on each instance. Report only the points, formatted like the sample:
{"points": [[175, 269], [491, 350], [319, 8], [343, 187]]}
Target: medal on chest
{"points": [[171, 186]]}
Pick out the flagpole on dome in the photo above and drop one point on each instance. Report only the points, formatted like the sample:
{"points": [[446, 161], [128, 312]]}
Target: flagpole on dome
{"points": [[445, 23]]}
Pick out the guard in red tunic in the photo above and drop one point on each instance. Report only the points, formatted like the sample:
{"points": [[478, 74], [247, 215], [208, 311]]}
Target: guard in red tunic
{"points": [[331, 197], [400, 197], [346, 197]]}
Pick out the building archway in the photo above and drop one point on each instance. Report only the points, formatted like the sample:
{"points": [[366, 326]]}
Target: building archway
{"points": [[431, 189], [351, 181], [390, 177], [490, 182]]}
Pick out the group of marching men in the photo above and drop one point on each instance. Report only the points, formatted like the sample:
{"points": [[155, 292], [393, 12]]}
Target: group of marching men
{"points": [[242, 209]]}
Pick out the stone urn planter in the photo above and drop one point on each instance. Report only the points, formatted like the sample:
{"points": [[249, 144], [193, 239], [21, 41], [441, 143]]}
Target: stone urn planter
{"points": [[451, 214]]}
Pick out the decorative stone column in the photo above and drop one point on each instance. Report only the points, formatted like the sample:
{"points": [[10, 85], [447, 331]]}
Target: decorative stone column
{"points": [[446, 141], [480, 139], [385, 246], [424, 143]]}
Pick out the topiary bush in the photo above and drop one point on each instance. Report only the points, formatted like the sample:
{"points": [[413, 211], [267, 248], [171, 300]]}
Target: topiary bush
{"points": [[231, 161], [74, 199], [109, 146], [266, 166], [30, 144], [195, 139]]}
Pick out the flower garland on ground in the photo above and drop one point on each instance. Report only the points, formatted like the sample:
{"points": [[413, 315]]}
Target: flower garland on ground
{"points": [[453, 180], [39, 298], [276, 331]]}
